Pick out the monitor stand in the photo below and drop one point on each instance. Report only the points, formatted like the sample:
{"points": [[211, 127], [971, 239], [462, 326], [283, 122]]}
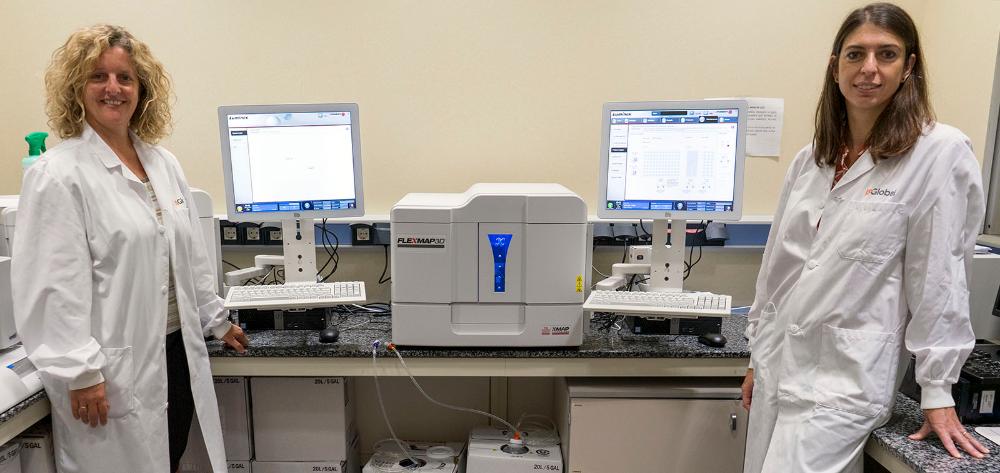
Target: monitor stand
{"points": [[299, 245], [667, 259], [666, 262]]}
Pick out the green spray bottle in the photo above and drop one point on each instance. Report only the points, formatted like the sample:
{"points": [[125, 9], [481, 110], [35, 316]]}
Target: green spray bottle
{"points": [[36, 146]]}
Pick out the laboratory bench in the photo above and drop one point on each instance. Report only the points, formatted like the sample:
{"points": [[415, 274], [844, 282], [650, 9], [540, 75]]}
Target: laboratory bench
{"points": [[22, 415], [300, 353], [890, 446], [604, 353]]}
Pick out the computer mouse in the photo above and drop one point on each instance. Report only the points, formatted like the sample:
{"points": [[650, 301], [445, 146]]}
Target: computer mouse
{"points": [[712, 339], [329, 335]]}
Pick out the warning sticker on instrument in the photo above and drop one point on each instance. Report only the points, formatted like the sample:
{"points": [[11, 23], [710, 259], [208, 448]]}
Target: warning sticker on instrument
{"points": [[579, 283], [555, 330], [986, 403]]}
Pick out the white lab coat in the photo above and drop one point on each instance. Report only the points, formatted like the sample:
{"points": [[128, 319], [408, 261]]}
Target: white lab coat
{"points": [[90, 269], [887, 268]]}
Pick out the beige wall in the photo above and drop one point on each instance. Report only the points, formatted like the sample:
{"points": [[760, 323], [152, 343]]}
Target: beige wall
{"points": [[448, 88], [960, 37]]}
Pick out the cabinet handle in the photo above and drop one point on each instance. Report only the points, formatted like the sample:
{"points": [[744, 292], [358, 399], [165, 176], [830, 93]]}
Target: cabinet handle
{"points": [[732, 422]]}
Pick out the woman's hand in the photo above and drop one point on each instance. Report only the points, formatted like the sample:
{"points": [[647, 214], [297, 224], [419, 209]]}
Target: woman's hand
{"points": [[945, 424], [236, 339], [748, 389], [90, 405]]}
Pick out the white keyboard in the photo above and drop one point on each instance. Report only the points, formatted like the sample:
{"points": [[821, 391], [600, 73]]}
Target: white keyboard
{"points": [[660, 304], [295, 295]]}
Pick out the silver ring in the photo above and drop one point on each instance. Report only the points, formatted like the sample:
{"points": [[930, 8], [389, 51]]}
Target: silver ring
{"points": [[83, 408]]}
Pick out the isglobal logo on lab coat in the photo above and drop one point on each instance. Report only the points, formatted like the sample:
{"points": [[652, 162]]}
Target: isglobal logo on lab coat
{"points": [[879, 191]]}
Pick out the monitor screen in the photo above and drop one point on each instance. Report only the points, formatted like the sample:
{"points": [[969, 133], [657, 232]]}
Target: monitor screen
{"points": [[679, 160], [996, 304], [291, 161]]}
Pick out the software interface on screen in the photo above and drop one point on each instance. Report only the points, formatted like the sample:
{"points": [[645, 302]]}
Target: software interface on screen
{"points": [[286, 162], [672, 160]]}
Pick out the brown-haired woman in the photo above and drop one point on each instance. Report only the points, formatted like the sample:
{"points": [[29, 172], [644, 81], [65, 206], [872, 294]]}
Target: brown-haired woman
{"points": [[867, 261], [113, 293]]}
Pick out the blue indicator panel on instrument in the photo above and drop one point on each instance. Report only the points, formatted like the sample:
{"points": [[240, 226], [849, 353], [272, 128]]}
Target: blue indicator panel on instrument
{"points": [[499, 242]]}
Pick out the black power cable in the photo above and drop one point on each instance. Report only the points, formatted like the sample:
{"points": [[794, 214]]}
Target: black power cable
{"points": [[691, 262], [332, 255], [382, 279]]}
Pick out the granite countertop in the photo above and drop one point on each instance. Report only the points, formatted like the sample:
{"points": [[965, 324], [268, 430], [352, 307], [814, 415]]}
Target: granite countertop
{"points": [[18, 408], [929, 456], [359, 331]]}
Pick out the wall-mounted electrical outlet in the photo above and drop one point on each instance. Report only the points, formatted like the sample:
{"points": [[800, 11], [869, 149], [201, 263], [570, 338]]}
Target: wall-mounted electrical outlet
{"points": [[253, 234], [361, 234], [269, 233]]}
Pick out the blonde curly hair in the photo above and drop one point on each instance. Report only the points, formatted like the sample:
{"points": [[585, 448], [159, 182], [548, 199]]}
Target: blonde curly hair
{"points": [[72, 64]]}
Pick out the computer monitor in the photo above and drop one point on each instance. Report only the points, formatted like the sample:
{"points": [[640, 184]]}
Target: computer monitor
{"points": [[292, 163], [671, 162], [991, 157], [996, 305]]}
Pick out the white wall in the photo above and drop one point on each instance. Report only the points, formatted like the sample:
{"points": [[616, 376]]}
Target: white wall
{"points": [[453, 92], [960, 38]]}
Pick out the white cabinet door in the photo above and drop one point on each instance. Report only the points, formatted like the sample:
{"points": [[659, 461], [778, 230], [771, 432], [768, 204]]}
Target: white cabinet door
{"points": [[656, 435]]}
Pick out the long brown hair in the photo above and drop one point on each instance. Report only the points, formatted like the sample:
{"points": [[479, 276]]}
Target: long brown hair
{"points": [[901, 123]]}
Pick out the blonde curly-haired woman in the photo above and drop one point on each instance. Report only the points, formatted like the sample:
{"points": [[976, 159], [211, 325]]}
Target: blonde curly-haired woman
{"points": [[113, 292]]}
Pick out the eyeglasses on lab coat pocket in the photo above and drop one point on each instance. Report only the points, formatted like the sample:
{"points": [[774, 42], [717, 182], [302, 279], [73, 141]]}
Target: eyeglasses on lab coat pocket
{"points": [[119, 381], [872, 232], [857, 370]]}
